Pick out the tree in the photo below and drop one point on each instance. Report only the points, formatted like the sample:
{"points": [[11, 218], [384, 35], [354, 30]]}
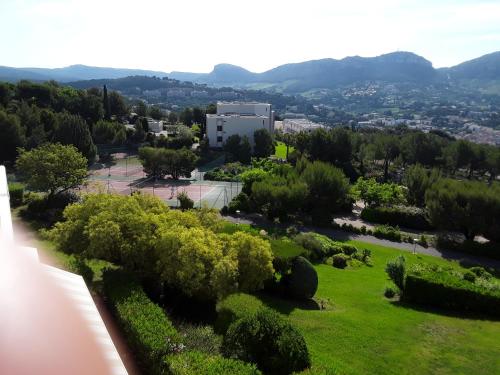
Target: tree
{"points": [[139, 132], [417, 179], [11, 137], [186, 117], [245, 151], [186, 203], [232, 145], [141, 109], [387, 147], [53, 168], [105, 103], [156, 113], [117, 105], [73, 130], [264, 144], [374, 194], [160, 162], [470, 207], [328, 188], [104, 131], [172, 118]]}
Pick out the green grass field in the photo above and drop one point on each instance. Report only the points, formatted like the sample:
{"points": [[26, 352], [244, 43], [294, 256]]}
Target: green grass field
{"points": [[362, 332], [280, 150]]}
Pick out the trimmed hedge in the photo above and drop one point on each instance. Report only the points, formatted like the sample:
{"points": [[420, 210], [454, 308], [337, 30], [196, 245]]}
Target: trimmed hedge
{"points": [[145, 325], [488, 249], [16, 194], [234, 307], [448, 289], [387, 232], [409, 217], [196, 363]]}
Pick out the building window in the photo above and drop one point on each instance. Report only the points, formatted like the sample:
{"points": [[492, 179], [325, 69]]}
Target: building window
{"points": [[219, 139], [219, 128]]}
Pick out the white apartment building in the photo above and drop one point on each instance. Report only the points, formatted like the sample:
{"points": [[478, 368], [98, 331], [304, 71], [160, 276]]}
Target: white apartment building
{"points": [[238, 118], [155, 126]]}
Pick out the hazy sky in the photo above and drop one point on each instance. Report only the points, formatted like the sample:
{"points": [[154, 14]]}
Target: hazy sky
{"points": [[190, 35]]}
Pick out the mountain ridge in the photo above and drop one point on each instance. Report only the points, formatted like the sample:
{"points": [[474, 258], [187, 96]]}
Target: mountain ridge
{"points": [[322, 73]]}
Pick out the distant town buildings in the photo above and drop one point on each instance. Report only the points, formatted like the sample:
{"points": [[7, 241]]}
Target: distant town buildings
{"points": [[238, 118], [298, 125], [155, 126]]}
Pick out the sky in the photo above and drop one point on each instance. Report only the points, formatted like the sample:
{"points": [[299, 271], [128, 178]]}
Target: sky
{"points": [[188, 35]]}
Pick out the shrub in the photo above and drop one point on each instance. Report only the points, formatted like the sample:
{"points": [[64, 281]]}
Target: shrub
{"points": [[16, 194], [409, 217], [366, 255], [470, 276], [302, 282], [443, 288], [340, 260], [194, 363], [319, 246], [146, 327], [480, 272], [200, 338], [234, 307], [240, 202], [48, 210], [390, 292], [269, 341], [387, 232], [396, 269], [349, 249], [184, 200], [487, 249], [78, 265]]}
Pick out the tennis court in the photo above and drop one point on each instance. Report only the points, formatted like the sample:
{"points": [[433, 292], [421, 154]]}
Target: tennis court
{"points": [[127, 176]]}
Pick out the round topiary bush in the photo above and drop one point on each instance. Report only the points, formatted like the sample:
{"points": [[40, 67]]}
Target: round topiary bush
{"points": [[302, 282], [269, 341], [340, 260]]}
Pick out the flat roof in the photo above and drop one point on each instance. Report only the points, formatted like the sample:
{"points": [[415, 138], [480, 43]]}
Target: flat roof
{"points": [[229, 115]]}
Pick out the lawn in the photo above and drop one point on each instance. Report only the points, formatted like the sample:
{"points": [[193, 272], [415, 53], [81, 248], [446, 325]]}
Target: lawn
{"points": [[364, 333], [280, 150]]}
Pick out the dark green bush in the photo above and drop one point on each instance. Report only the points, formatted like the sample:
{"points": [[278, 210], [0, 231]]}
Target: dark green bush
{"points": [[48, 209], [487, 249], [396, 269], [409, 217], [481, 272], [147, 329], [470, 276], [269, 341], [349, 249], [389, 292], [302, 282], [340, 260], [78, 265], [446, 289], [234, 307], [185, 202], [241, 202], [387, 232], [196, 363], [16, 194], [319, 246]]}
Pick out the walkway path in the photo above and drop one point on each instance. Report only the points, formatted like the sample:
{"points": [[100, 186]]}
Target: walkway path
{"points": [[466, 259]]}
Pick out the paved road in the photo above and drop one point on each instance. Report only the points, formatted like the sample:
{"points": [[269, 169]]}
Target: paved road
{"points": [[341, 235]]}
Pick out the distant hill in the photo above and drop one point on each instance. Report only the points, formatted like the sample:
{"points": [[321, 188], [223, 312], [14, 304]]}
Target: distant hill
{"points": [[71, 73], [395, 67], [486, 67]]}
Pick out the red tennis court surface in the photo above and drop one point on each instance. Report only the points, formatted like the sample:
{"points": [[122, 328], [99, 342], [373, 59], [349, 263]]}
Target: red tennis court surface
{"points": [[163, 190], [120, 171]]}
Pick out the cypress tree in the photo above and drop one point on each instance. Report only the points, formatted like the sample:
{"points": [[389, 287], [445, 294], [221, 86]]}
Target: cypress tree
{"points": [[105, 103]]}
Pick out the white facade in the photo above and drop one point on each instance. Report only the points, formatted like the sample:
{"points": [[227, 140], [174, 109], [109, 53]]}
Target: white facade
{"points": [[155, 126], [238, 118]]}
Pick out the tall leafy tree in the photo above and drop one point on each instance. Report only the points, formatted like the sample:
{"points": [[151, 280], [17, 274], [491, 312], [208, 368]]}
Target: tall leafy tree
{"points": [[264, 143], [11, 137], [418, 179], [52, 168], [73, 130]]}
